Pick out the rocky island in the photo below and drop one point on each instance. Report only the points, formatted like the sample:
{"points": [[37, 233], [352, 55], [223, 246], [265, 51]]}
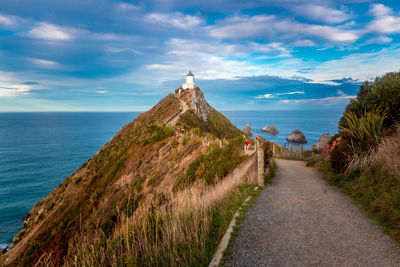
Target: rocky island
{"points": [[271, 130], [297, 136]]}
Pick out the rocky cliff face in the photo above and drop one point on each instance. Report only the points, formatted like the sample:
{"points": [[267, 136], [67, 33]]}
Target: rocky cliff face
{"points": [[323, 140], [140, 168], [199, 104]]}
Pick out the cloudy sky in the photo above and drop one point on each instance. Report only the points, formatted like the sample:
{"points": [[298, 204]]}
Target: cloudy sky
{"points": [[98, 55]]}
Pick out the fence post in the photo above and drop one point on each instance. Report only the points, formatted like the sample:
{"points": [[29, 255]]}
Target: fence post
{"points": [[260, 165], [273, 149]]}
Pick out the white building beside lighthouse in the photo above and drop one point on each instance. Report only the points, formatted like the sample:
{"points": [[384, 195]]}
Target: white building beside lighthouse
{"points": [[189, 84]]}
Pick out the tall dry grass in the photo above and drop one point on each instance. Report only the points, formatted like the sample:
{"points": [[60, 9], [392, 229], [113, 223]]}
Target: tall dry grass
{"points": [[363, 135], [386, 154], [182, 232]]}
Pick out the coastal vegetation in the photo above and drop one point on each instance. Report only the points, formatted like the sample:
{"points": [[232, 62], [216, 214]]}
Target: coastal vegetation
{"points": [[366, 161], [151, 196]]}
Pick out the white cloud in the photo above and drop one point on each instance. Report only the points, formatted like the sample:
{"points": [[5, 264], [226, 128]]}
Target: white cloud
{"points": [[6, 20], [384, 20], [126, 6], [11, 90], [177, 20], [51, 32], [262, 26], [280, 94], [304, 43], [321, 13], [379, 40], [215, 60], [379, 10], [44, 62], [316, 100], [102, 92], [362, 66], [178, 46], [327, 82], [241, 27]]}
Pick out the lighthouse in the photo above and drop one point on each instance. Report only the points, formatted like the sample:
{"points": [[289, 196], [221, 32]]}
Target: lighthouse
{"points": [[189, 84]]}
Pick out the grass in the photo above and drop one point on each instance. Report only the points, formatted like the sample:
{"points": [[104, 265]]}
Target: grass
{"points": [[182, 235], [212, 165], [375, 190]]}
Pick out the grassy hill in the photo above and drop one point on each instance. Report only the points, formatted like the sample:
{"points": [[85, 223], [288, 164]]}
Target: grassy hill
{"points": [[141, 200]]}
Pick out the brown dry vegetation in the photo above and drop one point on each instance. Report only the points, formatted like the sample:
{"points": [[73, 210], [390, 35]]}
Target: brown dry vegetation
{"points": [[132, 203]]}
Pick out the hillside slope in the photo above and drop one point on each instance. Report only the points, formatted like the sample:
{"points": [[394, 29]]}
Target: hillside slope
{"points": [[141, 168]]}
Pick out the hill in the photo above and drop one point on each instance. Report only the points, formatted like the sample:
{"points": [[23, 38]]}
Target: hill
{"points": [[134, 178]]}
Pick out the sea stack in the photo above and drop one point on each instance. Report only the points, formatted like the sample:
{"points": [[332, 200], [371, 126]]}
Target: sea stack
{"points": [[271, 130], [297, 136], [247, 130], [323, 140]]}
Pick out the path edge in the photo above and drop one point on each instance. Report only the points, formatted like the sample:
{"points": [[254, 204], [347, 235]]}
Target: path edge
{"points": [[219, 254]]}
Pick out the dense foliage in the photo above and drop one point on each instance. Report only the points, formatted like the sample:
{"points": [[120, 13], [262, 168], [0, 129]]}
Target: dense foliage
{"points": [[381, 97], [367, 118]]}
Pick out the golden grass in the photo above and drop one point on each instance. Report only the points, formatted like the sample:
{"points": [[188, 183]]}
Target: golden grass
{"points": [[178, 233], [386, 154]]}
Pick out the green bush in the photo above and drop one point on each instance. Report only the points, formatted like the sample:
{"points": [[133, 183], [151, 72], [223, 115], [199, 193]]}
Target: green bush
{"points": [[367, 118], [215, 163], [364, 132], [382, 95]]}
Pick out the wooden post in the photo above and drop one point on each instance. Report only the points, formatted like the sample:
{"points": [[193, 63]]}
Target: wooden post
{"points": [[291, 150], [260, 164], [273, 149]]}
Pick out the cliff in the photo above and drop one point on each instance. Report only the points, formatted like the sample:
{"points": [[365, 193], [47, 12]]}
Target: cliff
{"points": [[141, 168]]}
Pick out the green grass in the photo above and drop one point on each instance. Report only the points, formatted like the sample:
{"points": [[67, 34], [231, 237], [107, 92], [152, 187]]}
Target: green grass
{"points": [[212, 165], [375, 191]]}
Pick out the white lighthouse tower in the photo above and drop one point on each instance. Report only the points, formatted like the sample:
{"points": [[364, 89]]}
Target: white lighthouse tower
{"points": [[189, 84]]}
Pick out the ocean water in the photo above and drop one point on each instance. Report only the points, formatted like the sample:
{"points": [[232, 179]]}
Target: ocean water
{"points": [[39, 150], [313, 123]]}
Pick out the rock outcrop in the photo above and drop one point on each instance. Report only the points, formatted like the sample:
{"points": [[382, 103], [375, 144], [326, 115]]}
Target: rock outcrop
{"points": [[297, 136], [323, 140], [260, 138], [200, 104], [247, 130], [271, 130]]}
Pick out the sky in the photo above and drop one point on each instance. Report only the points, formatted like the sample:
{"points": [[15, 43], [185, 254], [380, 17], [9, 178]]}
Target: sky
{"points": [[98, 55]]}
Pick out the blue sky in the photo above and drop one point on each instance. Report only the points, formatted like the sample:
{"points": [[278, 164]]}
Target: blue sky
{"points": [[97, 55]]}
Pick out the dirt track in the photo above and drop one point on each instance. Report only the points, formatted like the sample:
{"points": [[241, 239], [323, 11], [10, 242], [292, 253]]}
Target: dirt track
{"points": [[300, 220]]}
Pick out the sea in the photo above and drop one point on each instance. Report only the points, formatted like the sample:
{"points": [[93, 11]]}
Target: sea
{"points": [[39, 150]]}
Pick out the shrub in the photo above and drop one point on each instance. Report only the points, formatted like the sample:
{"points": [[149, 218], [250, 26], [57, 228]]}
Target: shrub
{"points": [[383, 96], [215, 163], [340, 156], [364, 132]]}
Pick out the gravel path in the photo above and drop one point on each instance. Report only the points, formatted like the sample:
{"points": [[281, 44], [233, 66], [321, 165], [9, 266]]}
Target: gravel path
{"points": [[300, 220]]}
